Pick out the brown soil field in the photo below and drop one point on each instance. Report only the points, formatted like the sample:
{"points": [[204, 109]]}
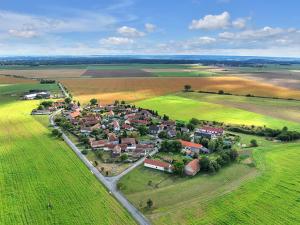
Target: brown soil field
{"points": [[13, 80], [131, 89], [45, 73], [117, 73], [170, 70]]}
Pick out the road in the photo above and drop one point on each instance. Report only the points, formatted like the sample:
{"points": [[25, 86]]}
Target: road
{"points": [[66, 94], [109, 183]]}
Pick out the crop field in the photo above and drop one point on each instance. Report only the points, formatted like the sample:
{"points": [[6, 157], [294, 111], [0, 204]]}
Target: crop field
{"points": [[13, 80], [184, 109], [42, 181], [45, 73], [278, 108], [117, 73], [238, 194], [132, 89]]}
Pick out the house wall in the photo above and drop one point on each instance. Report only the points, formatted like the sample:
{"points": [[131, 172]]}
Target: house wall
{"points": [[154, 167]]}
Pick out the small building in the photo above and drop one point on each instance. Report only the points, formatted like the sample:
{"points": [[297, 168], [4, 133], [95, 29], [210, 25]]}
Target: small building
{"points": [[192, 168], [116, 125], [209, 132], [154, 129], [116, 151], [158, 165], [98, 144], [195, 148], [112, 138], [130, 142]]}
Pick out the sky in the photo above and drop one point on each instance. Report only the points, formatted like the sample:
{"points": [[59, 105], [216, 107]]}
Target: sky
{"points": [[112, 27]]}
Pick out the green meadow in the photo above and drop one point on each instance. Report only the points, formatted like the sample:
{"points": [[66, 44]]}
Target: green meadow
{"points": [[41, 180], [182, 108], [238, 194]]}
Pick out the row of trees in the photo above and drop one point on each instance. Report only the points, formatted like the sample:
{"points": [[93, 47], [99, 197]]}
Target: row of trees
{"points": [[284, 134]]}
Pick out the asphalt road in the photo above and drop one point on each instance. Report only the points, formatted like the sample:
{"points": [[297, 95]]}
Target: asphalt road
{"points": [[109, 183]]}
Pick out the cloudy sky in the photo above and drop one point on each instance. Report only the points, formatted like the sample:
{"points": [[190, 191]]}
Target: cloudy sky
{"points": [[206, 27]]}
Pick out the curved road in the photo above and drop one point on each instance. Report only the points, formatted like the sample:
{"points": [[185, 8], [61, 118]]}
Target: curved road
{"points": [[108, 182]]}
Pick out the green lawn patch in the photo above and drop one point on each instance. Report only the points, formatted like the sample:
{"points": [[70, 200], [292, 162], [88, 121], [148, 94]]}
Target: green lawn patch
{"points": [[184, 109]]}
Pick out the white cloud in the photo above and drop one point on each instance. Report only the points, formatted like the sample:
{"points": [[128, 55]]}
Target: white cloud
{"points": [[239, 23], [116, 41], [130, 32], [23, 33], [206, 40], [80, 21], [211, 22], [150, 27]]}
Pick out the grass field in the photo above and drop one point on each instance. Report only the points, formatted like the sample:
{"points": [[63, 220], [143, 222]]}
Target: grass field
{"points": [[238, 194], [42, 181], [278, 108], [184, 109], [131, 89]]}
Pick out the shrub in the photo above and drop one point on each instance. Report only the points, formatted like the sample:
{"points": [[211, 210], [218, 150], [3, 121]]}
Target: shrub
{"points": [[84, 152]]}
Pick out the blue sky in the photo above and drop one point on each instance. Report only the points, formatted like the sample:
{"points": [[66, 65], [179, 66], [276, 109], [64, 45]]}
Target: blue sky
{"points": [[205, 27]]}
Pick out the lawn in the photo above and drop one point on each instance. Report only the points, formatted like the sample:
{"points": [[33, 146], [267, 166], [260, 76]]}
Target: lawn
{"points": [[184, 109], [238, 194], [42, 181], [278, 108]]}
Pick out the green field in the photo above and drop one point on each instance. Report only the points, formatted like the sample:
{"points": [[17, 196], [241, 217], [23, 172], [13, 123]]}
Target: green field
{"points": [[238, 194], [42, 181], [184, 109]]}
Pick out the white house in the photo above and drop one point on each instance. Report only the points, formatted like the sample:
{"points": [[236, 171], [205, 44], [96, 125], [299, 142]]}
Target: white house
{"points": [[158, 165]]}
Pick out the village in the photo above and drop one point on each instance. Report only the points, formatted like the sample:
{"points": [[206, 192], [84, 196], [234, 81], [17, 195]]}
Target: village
{"points": [[121, 134]]}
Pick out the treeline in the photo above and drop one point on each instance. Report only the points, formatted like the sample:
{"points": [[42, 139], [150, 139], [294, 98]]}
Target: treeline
{"points": [[224, 158], [43, 81], [282, 135]]}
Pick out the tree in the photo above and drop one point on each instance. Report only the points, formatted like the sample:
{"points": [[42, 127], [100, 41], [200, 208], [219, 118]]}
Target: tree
{"points": [[163, 135], [55, 132], [253, 143], [99, 154], [187, 87], [93, 101], [194, 121], [233, 154], [124, 157], [204, 142], [68, 100], [143, 130], [212, 145], [190, 126], [123, 102], [149, 203], [221, 92], [117, 102], [78, 103], [165, 117], [204, 162], [178, 168], [40, 107]]}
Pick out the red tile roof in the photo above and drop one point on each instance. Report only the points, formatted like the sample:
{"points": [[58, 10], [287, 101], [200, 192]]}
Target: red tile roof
{"points": [[194, 164], [190, 144], [212, 129], [157, 163]]}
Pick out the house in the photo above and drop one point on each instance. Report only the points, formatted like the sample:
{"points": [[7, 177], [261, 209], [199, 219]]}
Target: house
{"points": [[84, 129], [195, 148], [154, 129], [90, 120], [73, 114], [130, 142], [192, 168], [184, 129], [158, 165], [116, 151], [209, 132], [116, 125], [140, 122], [110, 113], [112, 138], [127, 127], [98, 144], [172, 133]]}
